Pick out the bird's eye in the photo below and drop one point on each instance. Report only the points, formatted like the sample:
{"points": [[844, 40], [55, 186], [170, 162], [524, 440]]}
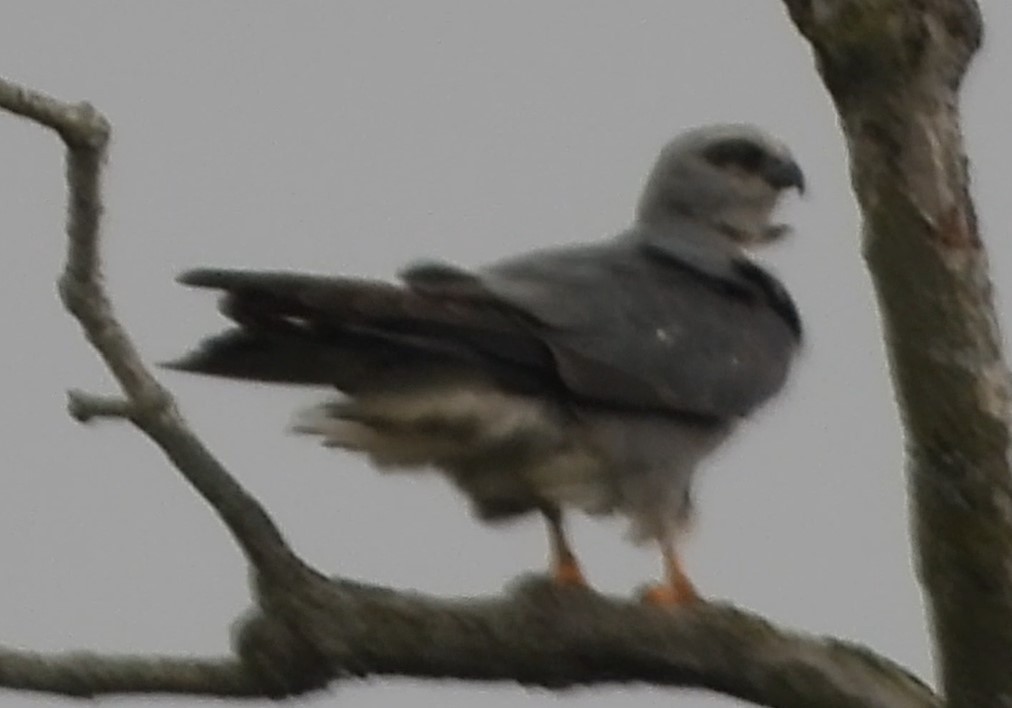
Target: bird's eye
{"points": [[742, 153]]}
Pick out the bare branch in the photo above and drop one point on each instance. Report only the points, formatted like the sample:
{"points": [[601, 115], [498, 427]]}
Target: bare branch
{"points": [[78, 124], [85, 674], [545, 636], [894, 69], [83, 407], [537, 635], [86, 134]]}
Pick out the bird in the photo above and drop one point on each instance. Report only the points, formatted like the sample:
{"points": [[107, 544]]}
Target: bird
{"points": [[594, 376]]}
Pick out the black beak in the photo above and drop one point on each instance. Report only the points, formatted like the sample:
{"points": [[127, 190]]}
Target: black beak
{"points": [[784, 174]]}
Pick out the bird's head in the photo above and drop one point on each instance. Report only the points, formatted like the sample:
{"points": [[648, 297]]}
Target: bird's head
{"points": [[729, 176]]}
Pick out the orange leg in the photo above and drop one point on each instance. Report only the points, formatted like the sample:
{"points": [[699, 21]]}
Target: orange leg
{"points": [[678, 591], [565, 568]]}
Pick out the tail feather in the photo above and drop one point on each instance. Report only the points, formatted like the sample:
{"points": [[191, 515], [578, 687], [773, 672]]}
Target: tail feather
{"points": [[278, 281], [262, 296], [349, 362], [360, 334], [259, 356]]}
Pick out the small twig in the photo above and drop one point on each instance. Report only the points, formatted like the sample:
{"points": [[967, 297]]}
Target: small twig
{"points": [[84, 407], [80, 125]]}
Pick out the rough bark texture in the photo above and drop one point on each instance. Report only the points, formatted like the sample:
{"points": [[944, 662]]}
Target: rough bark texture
{"points": [[894, 70], [300, 640]]}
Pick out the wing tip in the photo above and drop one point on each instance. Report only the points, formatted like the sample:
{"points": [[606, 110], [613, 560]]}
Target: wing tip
{"points": [[202, 277], [195, 362], [216, 355]]}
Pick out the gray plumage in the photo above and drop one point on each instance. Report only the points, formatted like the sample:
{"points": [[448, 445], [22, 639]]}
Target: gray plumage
{"points": [[594, 376]]}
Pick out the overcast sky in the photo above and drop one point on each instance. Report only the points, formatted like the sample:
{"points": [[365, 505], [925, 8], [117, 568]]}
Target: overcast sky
{"points": [[351, 137]]}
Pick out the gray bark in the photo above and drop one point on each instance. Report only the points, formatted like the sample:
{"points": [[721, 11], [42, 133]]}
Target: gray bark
{"points": [[894, 71]]}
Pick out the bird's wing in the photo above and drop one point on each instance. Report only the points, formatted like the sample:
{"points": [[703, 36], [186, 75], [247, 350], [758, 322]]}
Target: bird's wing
{"points": [[359, 334], [641, 323], [635, 323]]}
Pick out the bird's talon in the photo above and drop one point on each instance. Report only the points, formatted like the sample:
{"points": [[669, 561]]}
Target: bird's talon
{"points": [[670, 597], [569, 575]]}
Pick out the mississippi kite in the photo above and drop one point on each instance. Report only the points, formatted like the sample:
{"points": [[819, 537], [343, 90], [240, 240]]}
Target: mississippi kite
{"points": [[595, 377]]}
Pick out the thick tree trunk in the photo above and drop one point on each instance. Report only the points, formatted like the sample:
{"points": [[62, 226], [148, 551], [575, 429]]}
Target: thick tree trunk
{"points": [[894, 69]]}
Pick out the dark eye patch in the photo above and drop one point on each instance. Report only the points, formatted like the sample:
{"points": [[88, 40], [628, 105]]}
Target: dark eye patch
{"points": [[736, 151]]}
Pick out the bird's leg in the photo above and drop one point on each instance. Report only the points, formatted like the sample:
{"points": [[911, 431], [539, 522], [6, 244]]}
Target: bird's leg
{"points": [[678, 590], [565, 568]]}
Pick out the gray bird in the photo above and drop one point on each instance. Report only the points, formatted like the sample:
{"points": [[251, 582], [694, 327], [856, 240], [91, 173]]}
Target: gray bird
{"points": [[595, 376]]}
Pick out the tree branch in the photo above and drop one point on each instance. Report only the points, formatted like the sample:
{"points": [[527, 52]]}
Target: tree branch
{"points": [[84, 407], [150, 407], [894, 69], [542, 635], [537, 635], [86, 675]]}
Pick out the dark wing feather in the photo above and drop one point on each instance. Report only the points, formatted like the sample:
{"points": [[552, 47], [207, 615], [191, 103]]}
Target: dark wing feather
{"points": [[670, 321], [360, 334], [272, 354]]}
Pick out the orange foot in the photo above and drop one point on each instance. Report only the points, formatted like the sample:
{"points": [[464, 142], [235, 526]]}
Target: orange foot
{"points": [[567, 574], [671, 596]]}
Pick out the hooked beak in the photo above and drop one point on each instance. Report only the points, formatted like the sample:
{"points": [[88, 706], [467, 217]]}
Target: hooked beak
{"points": [[783, 174]]}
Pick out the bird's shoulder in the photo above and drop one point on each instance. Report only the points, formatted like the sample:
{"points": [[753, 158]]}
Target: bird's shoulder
{"points": [[642, 265], [644, 320]]}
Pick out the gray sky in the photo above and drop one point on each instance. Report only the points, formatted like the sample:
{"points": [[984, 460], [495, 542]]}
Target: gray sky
{"points": [[352, 137]]}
